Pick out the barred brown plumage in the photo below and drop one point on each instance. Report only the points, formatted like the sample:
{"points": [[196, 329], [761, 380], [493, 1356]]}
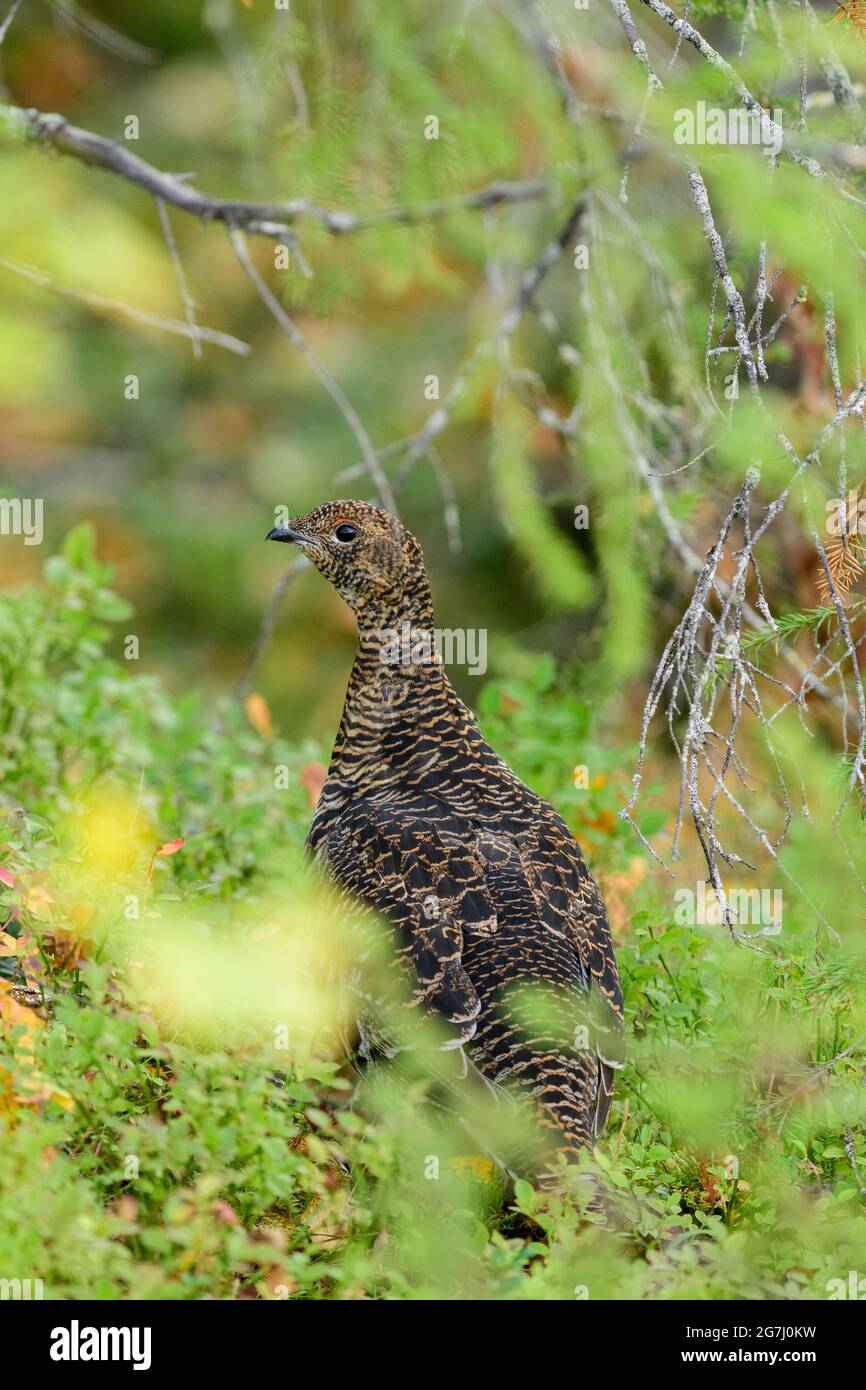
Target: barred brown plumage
{"points": [[484, 882]]}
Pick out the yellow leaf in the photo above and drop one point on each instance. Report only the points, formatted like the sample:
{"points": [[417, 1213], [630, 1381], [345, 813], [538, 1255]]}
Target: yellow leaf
{"points": [[481, 1168], [38, 901], [259, 715]]}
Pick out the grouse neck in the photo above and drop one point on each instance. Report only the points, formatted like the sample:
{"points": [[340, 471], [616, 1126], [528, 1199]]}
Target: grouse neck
{"points": [[398, 688], [398, 679], [401, 653], [379, 613], [397, 632]]}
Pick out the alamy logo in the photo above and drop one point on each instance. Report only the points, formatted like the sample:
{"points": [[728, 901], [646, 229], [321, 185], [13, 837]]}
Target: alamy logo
{"points": [[853, 1288], [407, 645], [757, 907], [22, 516], [21, 1288], [714, 125], [847, 517], [75, 1343]]}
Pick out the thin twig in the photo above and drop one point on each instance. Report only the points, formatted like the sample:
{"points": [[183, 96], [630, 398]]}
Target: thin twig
{"points": [[186, 297], [10, 15], [299, 342], [267, 625], [772, 133], [112, 307]]}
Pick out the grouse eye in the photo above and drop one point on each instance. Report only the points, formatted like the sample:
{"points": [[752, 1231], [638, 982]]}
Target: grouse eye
{"points": [[345, 532]]}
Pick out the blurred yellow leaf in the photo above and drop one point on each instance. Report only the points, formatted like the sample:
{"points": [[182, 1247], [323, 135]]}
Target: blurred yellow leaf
{"points": [[481, 1168], [38, 901], [259, 715]]}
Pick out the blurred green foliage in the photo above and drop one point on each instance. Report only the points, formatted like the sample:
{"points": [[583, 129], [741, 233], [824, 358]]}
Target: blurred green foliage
{"points": [[146, 1158], [157, 1141]]}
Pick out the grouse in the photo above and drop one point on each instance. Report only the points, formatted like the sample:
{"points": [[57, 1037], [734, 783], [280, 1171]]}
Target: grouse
{"points": [[484, 883]]}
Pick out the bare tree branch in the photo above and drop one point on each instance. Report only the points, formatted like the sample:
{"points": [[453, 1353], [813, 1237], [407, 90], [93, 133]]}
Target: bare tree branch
{"points": [[274, 220], [732, 294]]}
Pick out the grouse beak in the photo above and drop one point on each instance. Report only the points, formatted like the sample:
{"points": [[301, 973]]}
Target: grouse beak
{"points": [[284, 533]]}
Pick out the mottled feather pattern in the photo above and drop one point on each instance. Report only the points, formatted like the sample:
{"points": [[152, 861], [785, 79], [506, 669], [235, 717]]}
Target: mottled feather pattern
{"points": [[484, 883]]}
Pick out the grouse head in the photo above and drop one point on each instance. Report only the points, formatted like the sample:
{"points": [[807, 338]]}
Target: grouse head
{"points": [[374, 563]]}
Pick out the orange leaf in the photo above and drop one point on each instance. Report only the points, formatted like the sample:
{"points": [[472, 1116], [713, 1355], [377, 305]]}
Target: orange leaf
{"points": [[14, 1015], [7, 878], [259, 715], [313, 777], [66, 948], [171, 846]]}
